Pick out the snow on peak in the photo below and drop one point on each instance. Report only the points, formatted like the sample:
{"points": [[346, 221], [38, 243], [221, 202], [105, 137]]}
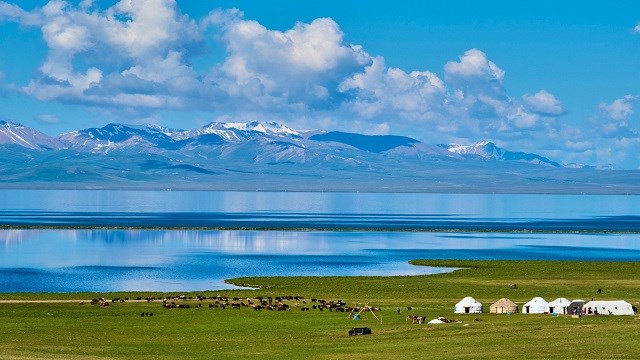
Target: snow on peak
{"points": [[267, 127], [479, 148]]}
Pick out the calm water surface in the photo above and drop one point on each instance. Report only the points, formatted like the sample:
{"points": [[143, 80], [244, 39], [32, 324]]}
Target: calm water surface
{"points": [[63, 260]]}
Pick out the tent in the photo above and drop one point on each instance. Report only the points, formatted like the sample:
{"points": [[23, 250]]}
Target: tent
{"points": [[503, 306], [617, 307], [575, 308], [537, 305], [468, 305], [559, 306]]}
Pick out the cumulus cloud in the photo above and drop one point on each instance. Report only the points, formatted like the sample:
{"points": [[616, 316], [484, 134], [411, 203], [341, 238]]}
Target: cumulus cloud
{"points": [[303, 65], [543, 103], [133, 60], [619, 109], [380, 90], [614, 118], [126, 40], [473, 66]]}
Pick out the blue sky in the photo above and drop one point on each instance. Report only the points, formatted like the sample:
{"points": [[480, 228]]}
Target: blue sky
{"points": [[556, 78]]}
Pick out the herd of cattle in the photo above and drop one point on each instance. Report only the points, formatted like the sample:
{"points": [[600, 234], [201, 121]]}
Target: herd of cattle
{"points": [[275, 303]]}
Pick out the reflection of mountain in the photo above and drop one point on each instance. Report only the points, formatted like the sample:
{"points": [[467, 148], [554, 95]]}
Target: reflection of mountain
{"points": [[269, 156], [244, 242], [131, 247], [11, 236]]}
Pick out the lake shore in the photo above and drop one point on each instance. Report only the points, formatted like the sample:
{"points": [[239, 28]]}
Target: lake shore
{"points": [[203, 330]]}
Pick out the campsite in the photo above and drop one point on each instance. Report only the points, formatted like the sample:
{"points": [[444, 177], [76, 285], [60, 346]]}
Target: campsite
{"points": [[119, 331]]}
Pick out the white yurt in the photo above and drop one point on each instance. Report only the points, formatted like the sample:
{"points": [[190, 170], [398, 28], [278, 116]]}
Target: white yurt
{"points": [[468, 305], [559, 306], [537, 305], [617, 307]]}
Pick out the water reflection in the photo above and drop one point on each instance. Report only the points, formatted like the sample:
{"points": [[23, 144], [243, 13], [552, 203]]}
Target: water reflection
{"points": [[176, 260]]}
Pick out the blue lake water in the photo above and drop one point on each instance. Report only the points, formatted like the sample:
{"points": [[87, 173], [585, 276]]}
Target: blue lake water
{"points": [[181, 259]]}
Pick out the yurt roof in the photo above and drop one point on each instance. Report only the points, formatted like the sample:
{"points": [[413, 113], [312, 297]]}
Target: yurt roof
{"points": [[559, 302], [504, 302], [608, 303], [468, 300], [536, 300]]}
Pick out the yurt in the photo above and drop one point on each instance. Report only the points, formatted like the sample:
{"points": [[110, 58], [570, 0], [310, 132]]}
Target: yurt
{"points": [[559, 306], [503, 306], [468, 305], [575, 308], [537, 305], [617, 307]]}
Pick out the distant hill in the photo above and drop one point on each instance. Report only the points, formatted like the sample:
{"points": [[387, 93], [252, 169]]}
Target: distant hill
{"points": [[271, 156]]}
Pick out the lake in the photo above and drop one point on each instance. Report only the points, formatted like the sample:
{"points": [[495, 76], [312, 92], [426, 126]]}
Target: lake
{"points": [[308, 234]]}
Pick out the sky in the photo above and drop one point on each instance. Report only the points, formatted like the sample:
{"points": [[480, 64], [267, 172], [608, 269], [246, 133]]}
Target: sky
{"points": [[560, 79]]}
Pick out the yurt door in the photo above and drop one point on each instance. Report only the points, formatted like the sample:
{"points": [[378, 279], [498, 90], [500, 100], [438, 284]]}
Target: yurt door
{"points": [[467, 309]]}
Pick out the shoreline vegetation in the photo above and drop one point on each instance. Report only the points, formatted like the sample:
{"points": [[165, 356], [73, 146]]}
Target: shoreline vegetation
{"points": [[274, 183], [125, 330], [514, 230]]}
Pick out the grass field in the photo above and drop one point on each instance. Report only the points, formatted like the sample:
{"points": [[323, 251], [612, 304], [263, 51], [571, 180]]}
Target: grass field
{"points": [[72, 331]]}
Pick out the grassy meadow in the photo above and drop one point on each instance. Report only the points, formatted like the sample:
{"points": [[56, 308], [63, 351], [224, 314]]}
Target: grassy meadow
{"points": [[68, 330]]}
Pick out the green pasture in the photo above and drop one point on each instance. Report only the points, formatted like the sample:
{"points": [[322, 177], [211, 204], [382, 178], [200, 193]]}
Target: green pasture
{"points": [[49, 330]]}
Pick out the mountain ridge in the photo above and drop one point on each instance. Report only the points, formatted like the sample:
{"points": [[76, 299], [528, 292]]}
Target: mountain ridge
{"points": [[272, 157]]}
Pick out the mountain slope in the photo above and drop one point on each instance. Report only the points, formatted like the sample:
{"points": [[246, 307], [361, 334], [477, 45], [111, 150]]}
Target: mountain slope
{"points": [[268, 156], [17, 134], [489, 150], [371, 143]]}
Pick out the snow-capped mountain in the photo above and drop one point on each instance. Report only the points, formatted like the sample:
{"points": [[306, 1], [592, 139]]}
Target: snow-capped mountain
{"points": [[270, 156], [255, 142], [236, 131], [489, 150], [17, 134], [117, 136]]}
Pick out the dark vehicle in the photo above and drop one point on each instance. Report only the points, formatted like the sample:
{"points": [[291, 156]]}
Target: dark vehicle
{"points": [[360, 331]]}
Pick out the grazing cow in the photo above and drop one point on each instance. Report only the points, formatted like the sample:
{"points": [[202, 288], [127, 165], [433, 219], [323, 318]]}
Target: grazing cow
{"points": [[415, 319], [513, 286], [599, 291]]}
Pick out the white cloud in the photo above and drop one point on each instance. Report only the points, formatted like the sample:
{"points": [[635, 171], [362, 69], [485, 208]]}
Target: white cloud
{"points": [[473, 66], [636, 29], [380, 90], [543, 102], [149, 45], [619, 109], [303, 65], [133, 60], [47, 118], [10, 11], [614, 118]]}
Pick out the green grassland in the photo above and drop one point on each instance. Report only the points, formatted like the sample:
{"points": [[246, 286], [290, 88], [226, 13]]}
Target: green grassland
{"points": [[69, 330]]}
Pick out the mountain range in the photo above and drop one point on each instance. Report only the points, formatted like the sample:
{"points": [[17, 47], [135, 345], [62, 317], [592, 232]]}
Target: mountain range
{"points": [[271, 156]]}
